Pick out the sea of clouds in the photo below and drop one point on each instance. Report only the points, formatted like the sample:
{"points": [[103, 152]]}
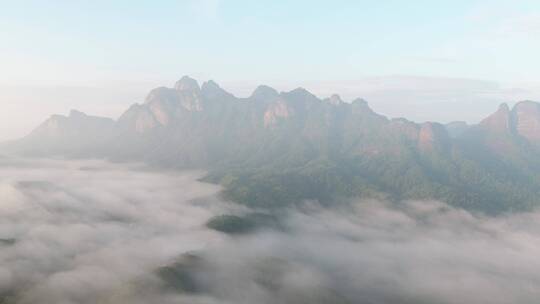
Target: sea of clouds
{"points": [[95, 232]]}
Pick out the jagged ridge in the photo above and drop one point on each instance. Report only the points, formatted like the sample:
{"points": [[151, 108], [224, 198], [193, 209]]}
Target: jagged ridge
{"points": [[261, 142]]}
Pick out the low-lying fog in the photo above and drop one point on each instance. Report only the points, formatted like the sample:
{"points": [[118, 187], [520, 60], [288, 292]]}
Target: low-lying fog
{"points": [[94, 232]]}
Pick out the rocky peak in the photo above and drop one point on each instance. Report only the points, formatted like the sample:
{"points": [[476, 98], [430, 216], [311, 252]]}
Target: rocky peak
{"points": [[211, 90], [300, 100], [299, 95], [526, 116], [162, 94], [276, 112], [526, 103], [300, 92], [264, 93], [187, 83], [503, 107], [51, 127], [335, 100], [359, 105], [74, 114], [210, 86], [360, 102], [189, 93], [499, 121]]}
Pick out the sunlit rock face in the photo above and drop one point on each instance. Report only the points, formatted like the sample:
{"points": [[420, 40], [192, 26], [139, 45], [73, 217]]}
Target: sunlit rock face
{"points": [[407, 127], [276, 111], [499, 121], [526, 116], [432, 136], [163, 106], [138, 119], [147, 120], [507, 129], [162, 103], [522, 120], [189, 93]]}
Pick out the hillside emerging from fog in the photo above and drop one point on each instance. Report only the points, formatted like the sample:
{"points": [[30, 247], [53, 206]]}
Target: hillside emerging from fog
{"points": [[275, 149]]}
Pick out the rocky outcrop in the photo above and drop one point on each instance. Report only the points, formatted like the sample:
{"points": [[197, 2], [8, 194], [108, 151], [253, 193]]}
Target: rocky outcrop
{"points": [[335, 100], [275, 112], [189, 94], [526, 118], [264, 94], [433, 136], [500, 121]]}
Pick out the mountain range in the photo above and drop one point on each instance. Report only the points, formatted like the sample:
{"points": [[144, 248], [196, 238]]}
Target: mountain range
{"points": [[273, 149]]}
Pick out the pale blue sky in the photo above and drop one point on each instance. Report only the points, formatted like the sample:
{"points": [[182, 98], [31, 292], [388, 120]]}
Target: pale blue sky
{"points": [[132, 46], [282, 40]]}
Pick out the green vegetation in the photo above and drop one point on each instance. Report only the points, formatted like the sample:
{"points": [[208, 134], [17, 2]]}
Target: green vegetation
{"points": [[230, 224], [233, 224], [179, 275], [7, 242], [488, 185]]}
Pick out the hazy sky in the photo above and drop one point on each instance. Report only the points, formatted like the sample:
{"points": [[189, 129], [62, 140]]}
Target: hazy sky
{"points": [[100, 56]]}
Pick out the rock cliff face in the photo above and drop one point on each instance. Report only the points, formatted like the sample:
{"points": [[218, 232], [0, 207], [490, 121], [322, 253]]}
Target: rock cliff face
{"points": [[433, 136], [500, 121], [523, 120], [526, 120], [506, 130], [275, 112]]}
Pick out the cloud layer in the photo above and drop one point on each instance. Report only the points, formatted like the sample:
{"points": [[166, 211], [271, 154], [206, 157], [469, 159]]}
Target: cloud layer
{"points": [[372, 252], [83, 229], [93, 232]]}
